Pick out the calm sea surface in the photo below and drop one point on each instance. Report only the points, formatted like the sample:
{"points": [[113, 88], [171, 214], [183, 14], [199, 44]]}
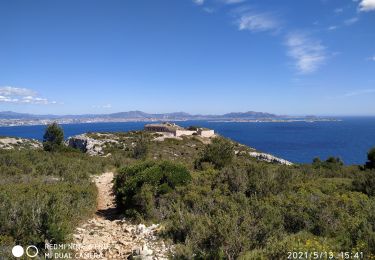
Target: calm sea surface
{"points": [[349, 139]]}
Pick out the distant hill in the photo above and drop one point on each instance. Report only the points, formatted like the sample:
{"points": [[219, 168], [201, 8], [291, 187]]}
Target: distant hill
{"points": [[250, 114], [14, 115], [142, 115]]}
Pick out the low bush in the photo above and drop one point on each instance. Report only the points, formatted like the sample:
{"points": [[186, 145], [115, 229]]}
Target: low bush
{"points": [[219, 152], [254, 210], [44, 195], [141, 148], [370, 164], [139, 186], [365, 182], [32, 213]]}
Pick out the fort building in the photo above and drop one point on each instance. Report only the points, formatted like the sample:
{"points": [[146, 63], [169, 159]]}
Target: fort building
{"points": [[177, 130]]}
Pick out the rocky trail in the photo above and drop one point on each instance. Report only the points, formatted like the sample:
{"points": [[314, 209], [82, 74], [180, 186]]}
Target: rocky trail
{"points": [[109, 236]]}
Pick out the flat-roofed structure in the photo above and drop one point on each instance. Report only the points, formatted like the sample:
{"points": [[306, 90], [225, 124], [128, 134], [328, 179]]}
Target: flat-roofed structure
{"points": [[163, 127], [177, 130], [204, 132]]}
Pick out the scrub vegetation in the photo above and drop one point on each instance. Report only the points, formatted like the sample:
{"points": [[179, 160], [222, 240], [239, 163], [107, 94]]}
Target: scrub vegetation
{"points": [[212, 199], [43, 195], [237, 207]]}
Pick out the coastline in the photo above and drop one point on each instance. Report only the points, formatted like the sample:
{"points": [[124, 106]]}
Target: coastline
{"points": [[23, 122]]}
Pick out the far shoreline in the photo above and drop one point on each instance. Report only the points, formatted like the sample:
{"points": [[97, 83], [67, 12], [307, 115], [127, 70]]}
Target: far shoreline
{"points": [[18, 122]]}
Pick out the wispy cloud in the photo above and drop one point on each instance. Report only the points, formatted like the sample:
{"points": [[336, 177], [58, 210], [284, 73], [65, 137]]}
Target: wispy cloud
{"points": [[332, 28], [106, 106], [22, 96], [209, 10], [372, 58], [233, 1], [351, 21], [307, 53], [346, 22], [245, 17], [198, 2], [338, 10], [353, 93], [227, 2], [359, 92], [367, 5], [257, 22]]}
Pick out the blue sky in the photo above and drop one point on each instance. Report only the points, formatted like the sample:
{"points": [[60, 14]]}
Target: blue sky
{"points": [[197, 56]]}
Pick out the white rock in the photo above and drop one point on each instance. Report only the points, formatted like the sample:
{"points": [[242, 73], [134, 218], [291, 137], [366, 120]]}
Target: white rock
{"points": [[140, 229], [269, 158]]}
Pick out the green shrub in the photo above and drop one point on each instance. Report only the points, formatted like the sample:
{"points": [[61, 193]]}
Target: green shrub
{"points": [[299, 242], [253, 209], [229, 207], [34, 212], [139, 186], [219, 152], [44, 195], [365, 182], [370, 164], [141, 148]]}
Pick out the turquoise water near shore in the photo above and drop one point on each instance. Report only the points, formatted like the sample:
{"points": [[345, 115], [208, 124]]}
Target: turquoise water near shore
{"points": [[299, 142]]}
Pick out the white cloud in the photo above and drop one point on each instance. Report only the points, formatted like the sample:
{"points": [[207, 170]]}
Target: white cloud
{"points": [[22, 96], [7, 99], [367, 5], [198, 2], [257, 22], [308, 53], [11, 91], [372, 58], [351, 21], [333, 27]]}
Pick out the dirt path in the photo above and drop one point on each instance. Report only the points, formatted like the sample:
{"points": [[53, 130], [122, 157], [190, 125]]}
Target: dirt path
{"points": [[109, 236], [106, 200]]}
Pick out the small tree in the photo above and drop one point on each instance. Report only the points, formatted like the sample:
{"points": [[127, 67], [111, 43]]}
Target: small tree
{"points": [[53, 137], [370, 164], [317, 160], [334, 160], [219, 152]]}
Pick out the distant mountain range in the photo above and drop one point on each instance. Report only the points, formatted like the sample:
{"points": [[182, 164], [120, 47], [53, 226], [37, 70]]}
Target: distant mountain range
{"points": [[10, 118], [139, 115]]}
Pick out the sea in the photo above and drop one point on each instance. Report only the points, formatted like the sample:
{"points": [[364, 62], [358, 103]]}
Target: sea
{"points": [[350, 138]]}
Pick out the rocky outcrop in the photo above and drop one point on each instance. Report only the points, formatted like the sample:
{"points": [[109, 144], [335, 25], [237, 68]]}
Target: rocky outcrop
{"points": [[96, 144], [89, 145], [269, 158], [17, 143]]}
